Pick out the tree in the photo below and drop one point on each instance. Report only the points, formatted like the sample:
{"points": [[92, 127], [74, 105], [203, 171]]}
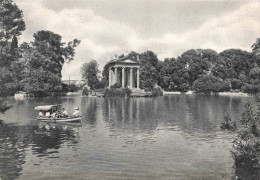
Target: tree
{"points": [[246, 145], [105, 76], [256, 47], [50, 45], [14, 46], [173, 76], [148, 70], [11, 26], [209, 83], [198, 62], [90, 72], [237, 66], [40, 82], [42, 62], [11, 23]]}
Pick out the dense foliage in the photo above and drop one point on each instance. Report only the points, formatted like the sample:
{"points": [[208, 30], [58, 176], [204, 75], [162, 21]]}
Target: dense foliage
{"points": [[33, 67], [201, 70], [118, 92], [228, 123], [209, 83], [148, 70], [90, 72], [42, 62], [247, 145]]}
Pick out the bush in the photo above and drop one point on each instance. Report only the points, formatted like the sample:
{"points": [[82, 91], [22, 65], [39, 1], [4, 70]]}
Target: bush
{"points": [[247, 145], [208, 83], [228, 124], [236, 83], [117, 85], [118, 92], [157, 92], [85, 91], [184, 87], [3, 106], [250, 88]]}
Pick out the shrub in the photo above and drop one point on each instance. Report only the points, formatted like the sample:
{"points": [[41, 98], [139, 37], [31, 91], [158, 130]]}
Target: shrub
{"points": [[157, 92], [227, 123], [250, 88], [236, 83], [118, 92], [208, 83], [184, 87], [247, 145], [85, 91], [117, 85], [3, 106]]}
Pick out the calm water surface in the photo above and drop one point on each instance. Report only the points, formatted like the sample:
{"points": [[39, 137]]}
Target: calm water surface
{"points": [[170, 137]]}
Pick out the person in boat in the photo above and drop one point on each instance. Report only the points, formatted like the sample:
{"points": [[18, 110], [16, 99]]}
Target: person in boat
{"points": [[54, 114], [48, 114], [64, 113], [41, 114], [76, 112]]}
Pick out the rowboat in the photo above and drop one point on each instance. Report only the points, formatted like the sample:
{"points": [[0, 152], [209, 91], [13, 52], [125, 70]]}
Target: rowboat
{"points": [[55, 108], [65, 119]]}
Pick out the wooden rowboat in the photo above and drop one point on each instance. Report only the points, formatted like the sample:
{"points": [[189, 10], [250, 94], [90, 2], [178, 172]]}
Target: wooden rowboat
{"points": [[55, 108], [62, 119]]}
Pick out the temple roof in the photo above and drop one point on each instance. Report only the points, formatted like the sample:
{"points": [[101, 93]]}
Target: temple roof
{"points": [[124, 61]]}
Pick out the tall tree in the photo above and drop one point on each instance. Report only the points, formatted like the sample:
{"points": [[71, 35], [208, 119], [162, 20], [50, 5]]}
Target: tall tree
{"points": [[235, 64], [14, 46], [173, 75], [51, 46], [11, 22], [11, 26], [148, 70], [90, 73], [42, 62], [198, 62], [256, 47]]}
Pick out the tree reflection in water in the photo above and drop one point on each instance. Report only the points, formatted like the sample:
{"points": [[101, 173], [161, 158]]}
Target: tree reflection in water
{"points": [[16, 140]]}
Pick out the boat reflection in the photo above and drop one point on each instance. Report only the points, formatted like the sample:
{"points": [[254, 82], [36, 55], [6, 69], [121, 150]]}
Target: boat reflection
{"points": [[44, 139], [51, 135]]}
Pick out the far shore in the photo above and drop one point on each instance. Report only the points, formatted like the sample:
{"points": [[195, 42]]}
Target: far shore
{"points": [[220, 93]]}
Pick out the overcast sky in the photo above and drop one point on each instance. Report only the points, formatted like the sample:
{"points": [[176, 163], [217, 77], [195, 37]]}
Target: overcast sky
{"points": [[167, 27]]}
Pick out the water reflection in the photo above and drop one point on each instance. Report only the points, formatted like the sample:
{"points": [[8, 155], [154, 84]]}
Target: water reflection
{"points": [[164, 137], [16, 140], [47, 136], [125, 114], [12, 151]]}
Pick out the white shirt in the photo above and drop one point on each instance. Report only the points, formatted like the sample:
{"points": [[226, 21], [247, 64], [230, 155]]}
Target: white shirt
{"points": [[76, 113], [47, 114], [65, 113], [40, 114]]}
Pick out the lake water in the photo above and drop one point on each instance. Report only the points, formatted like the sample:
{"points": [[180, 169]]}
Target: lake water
{"points": [[169, 137]]}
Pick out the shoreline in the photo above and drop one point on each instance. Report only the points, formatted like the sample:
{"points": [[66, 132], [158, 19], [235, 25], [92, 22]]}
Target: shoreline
{"points": [[219, 93]]}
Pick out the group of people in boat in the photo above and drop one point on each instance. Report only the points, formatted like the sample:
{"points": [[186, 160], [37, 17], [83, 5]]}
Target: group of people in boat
{"points": [[59, 114]]}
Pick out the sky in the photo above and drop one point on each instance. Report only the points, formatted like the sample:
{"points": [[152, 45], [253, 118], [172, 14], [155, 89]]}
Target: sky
{"points": [[166, 27]]}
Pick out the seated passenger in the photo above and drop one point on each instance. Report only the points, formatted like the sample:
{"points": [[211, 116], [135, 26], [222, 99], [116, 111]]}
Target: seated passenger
{"points": [[76, 112], [48, 114], [54, 114], [64, 113], [41, 114]]}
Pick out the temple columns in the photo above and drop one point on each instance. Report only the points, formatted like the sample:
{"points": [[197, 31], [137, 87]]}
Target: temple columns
{"points": [[131, 78], [115, 78], [123, 77], [138, 80], [110, 77]]}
